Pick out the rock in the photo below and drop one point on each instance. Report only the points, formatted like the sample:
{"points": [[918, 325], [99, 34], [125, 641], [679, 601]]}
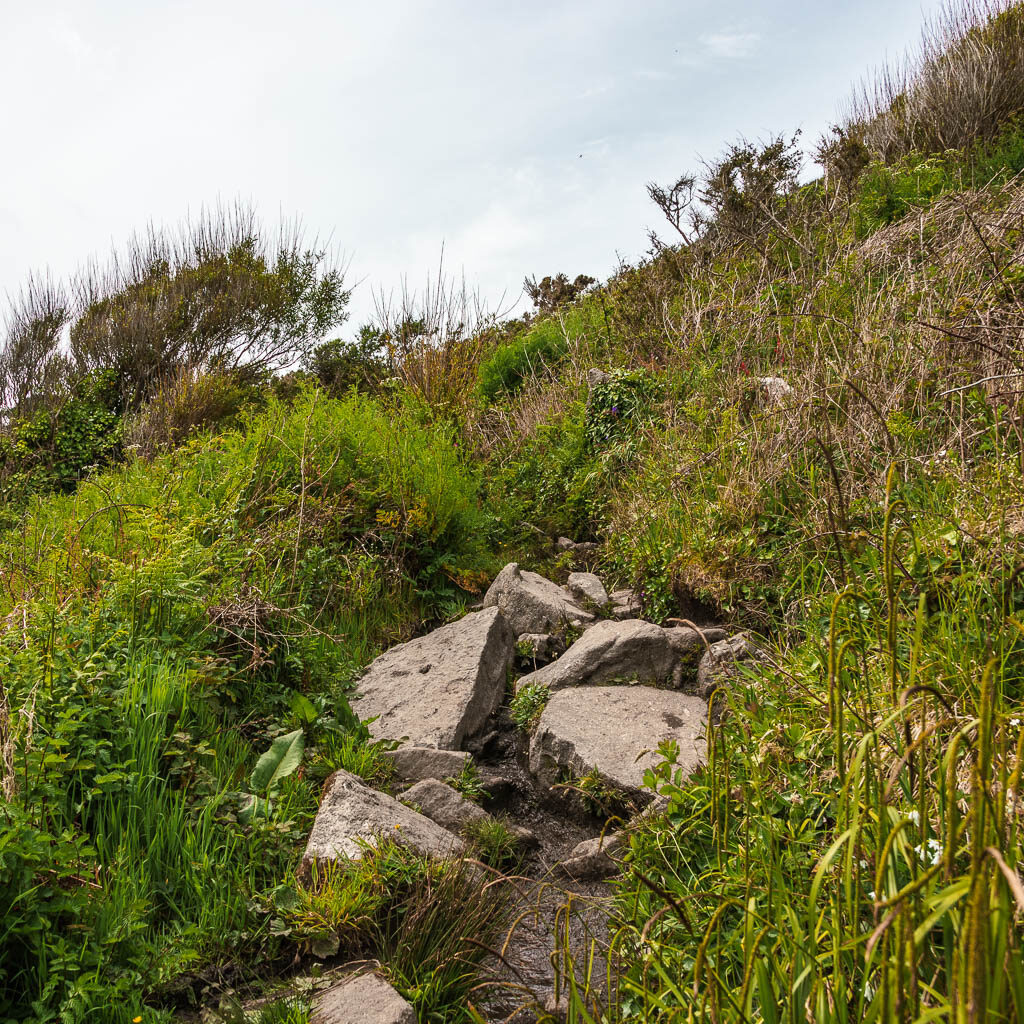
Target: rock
{"points": [[352, 814], [539, 648], [625, 604], [776, 390], [497, 787], [564, 544], [443, 805], [439, 689], [585, 586], [525, 837], [721, 661], [362, 999], [413, 764], [592, 860], [627, 651], [532, 604], [596, 377], [615, 729]]}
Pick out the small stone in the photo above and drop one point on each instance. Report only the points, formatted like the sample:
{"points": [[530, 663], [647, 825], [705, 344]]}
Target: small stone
{"points": [[362, 999], [721, 662], [592, 859], [564, 544], [412, 764], [526, 838], [536, 649], [585, 586], [443, 804], [625, 604]]}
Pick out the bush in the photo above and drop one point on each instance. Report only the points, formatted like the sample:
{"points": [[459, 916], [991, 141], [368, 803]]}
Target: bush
{"points": [[514, 362], [962, 85], [192, 401]]}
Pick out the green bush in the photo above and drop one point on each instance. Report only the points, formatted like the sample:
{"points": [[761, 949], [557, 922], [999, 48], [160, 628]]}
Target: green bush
{"points": [[514, 362]]}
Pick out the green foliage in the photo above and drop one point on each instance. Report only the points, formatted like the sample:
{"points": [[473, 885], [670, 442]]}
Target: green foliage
{"points": [[528, 703], [339, 365], [514, 362], [622, 402], [469, 782], [54, 449], [494, 843]]}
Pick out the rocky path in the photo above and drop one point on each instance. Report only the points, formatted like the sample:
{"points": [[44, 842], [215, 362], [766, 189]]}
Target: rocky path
{"points": [[604, 704]]}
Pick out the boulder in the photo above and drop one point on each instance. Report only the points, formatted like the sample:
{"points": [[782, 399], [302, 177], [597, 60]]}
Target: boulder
{"points": [[413, 764], [629, 651], [564, 544], [443, 805], [615, 730], [362, 999], [532, 604], [625, 604], [721, 662], [439, 689], [585, 586], [352, 814], [592, 860]]}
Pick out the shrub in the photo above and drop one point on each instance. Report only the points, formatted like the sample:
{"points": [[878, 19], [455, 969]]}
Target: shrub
{"points": [[963, 84], [514, 362]]}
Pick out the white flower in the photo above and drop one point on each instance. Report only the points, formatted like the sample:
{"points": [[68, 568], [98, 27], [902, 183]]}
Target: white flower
{"points": [[914, 816], [1015, 722], [930, 851]]}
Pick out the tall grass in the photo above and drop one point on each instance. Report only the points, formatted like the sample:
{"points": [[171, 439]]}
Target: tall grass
{"points": [[962, 83]]}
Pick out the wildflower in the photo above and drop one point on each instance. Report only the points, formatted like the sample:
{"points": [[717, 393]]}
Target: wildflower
{"points": [[930, 851], [1015, 723], [136, 1020], [914, 816]]}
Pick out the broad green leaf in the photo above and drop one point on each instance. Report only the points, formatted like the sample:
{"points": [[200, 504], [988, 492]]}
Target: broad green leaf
{"points": [[283, 757]]}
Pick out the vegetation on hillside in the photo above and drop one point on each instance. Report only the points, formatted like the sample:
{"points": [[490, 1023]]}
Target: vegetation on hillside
{"points": [[809, 424]]}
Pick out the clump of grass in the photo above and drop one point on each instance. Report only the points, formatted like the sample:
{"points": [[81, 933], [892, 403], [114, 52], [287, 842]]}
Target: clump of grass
{"points": [[495, 843], [469, 782], [528, 703]]}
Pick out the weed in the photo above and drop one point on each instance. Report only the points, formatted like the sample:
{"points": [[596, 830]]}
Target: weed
{"points": [[528, 703]]}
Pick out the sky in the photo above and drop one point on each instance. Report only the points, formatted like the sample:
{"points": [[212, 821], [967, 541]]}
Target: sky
{"points": [[518, 136]]}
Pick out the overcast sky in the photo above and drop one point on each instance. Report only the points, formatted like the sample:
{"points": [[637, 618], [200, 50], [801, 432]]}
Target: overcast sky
{"points": [[518, 134]]}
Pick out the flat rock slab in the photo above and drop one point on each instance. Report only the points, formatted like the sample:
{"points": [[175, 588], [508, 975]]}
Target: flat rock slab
{"points": [[413, 764], [362, 999], [444, 805], [352, 814], [610, 728], [630, 651], [533, 604], [438, 690]]}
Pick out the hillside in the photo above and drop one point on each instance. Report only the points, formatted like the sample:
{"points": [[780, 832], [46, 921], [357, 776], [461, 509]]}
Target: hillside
{"points": [[799, 419]]}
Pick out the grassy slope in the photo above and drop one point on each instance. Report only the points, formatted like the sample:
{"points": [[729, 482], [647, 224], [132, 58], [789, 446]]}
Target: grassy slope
{"points": [[847, 853]]}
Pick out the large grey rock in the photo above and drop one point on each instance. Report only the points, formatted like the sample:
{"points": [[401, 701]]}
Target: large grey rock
{"points": [[352, 814], [721, 662], [412, 764], [593, 858], [438, 690], [362, 999], [615, 729], [585, 586], [630, 651], [533, 604], [443, 805]]}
